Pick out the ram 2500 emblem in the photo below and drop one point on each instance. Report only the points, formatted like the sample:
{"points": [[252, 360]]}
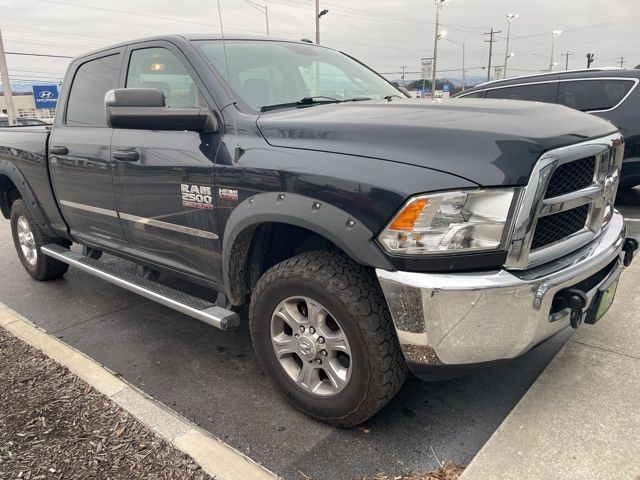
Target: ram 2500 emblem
{"points": [[196, 196]]}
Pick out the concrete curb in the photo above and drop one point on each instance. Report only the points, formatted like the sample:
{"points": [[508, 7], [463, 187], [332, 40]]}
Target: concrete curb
{"points": [[214, 456]]}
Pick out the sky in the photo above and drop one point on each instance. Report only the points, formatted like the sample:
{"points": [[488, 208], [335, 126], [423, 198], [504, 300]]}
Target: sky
{"points": [[385, 35]]}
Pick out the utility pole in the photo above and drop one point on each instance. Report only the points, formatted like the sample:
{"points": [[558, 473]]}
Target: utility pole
{"points": [[566, 56], [490, 41], [589, 59], [6, 83], [510, 18], [622, 62], [404, 68], [436, 37]]}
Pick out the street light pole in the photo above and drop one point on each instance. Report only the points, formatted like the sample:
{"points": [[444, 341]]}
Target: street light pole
{"points": [[261, 8], [437, 35], [510, 18], [554, 35], [317, 22], [318, 15]]}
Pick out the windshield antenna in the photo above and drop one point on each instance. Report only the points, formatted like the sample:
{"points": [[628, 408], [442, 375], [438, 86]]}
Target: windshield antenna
{"points": [[238, 150]]}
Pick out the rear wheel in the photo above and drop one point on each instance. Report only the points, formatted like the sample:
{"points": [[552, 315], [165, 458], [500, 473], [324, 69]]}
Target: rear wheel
{"points": [[28, 239], [321, 329]]}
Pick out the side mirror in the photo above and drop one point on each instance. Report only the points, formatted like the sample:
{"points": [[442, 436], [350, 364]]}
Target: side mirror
{"points": [[145, 109]]}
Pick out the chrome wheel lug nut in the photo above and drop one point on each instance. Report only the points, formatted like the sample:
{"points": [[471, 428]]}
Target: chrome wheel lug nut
{"points": [[321, 340], [319, 361], [323, 353], [302, 328], [296, 335], [312, 330]]}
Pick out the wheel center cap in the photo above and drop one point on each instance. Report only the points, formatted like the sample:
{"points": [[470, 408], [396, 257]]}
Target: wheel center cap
{"points": [[306, 347]]}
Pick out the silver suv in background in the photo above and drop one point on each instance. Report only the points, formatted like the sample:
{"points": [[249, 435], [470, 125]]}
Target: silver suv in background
{"points": [[609, 93]]}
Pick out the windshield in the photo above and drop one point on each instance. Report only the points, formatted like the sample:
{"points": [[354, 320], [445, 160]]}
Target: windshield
{"points": [[264, 73]]}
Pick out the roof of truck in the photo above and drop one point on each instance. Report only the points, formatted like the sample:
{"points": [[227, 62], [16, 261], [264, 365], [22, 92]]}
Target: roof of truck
{"points": [[193, 37]]}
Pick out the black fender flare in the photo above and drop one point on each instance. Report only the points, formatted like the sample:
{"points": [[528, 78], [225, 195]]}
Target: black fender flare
{"points": [[15, 175], [336, 225]]}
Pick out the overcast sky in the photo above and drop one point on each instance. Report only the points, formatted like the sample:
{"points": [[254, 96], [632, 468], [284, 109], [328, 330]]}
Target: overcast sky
{"points": [[383, 34]]}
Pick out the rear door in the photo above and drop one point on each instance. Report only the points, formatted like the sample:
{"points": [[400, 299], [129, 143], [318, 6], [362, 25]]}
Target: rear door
{"points": [[166, 196], [80, 156]]}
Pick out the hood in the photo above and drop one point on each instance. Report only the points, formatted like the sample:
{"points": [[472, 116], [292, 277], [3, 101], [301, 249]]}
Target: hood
{"points": [[489, 142]]}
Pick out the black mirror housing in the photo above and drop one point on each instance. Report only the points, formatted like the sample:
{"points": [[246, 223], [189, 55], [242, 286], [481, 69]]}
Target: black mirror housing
{"points": [[145, 109]]}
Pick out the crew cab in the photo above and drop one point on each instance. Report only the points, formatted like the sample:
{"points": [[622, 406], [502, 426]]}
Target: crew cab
{"points": [[369, 234]]}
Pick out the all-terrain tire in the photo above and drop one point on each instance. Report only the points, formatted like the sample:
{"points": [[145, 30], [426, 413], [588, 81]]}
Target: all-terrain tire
{"points": [[42, 267], [352, 294]]}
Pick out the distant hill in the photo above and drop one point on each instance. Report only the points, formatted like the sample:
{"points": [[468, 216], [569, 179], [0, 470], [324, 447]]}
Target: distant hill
{"points": [[21, 87]]}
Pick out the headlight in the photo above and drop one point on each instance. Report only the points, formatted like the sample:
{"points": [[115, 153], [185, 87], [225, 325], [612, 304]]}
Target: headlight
{"points": [[449, 222]]}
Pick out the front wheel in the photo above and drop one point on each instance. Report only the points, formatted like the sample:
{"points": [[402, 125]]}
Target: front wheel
{"points": [[28, 239], [321, 328]]}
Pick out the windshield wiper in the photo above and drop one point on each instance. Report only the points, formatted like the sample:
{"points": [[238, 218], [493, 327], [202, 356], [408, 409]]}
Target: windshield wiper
{"points": [[388, 98], [302, 102], [315, 100]]}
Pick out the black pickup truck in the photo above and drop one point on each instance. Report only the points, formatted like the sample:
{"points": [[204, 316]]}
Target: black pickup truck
{"points": [[370, 234]]}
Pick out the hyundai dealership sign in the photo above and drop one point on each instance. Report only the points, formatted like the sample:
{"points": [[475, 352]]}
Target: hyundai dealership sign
{"points": [[46, 96]]}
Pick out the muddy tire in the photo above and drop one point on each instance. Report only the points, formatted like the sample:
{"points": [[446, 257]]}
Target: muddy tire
{"points": [[321, 329]]}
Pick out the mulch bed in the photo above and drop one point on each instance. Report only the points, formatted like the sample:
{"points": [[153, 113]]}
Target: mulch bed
{"points": [[55, 426], [448, 471]]}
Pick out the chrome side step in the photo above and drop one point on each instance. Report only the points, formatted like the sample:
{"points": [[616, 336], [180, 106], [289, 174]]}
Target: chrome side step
{"points": [[197, 308]]}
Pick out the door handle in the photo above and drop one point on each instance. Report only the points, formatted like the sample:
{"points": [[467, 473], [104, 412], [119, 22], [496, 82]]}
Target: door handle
{"points": [[58, 150], [126, 155]]}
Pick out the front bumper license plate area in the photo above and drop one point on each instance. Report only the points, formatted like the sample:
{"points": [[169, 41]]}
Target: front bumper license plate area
{"points": [[603, 299]]}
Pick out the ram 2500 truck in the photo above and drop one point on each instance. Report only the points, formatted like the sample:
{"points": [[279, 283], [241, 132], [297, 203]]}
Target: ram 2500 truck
{"points": [[369, 233]]}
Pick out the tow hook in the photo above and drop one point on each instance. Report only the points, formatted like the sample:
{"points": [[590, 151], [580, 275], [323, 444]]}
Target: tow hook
{"points": [[630, 248], [576, 301]]}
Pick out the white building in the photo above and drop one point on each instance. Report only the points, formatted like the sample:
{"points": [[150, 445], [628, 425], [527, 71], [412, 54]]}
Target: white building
{"points": [[26, 108]]}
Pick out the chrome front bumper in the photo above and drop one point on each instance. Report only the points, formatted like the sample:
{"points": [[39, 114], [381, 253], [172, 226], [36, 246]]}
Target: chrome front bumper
{"points": [[455, 319]]}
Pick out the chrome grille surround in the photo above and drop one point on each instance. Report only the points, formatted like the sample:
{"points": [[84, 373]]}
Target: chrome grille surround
{"points": [[599, 195]]}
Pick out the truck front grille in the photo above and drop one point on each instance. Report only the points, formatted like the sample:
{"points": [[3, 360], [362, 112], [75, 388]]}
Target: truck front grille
{"points": [[572, 176], [556, 227], [567, 202]]}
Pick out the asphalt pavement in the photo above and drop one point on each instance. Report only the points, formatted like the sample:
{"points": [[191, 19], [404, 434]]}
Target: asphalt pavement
{"points": [[212, 378]]}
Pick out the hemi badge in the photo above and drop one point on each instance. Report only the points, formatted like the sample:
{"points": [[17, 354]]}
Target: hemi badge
{"points": [[228, 194]]}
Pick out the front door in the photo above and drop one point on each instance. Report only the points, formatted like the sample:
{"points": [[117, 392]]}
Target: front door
{"points": [[165, 193], [80, 157]]}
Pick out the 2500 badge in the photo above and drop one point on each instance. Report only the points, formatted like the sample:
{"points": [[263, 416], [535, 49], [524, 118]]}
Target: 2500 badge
{"points": [[196, 196]]}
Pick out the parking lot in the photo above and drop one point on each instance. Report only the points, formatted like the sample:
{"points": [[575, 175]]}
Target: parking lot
{"points": [[212, 378]]}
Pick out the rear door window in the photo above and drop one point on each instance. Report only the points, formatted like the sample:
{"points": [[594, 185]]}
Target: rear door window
{"points": [[90, 84], [537, 92], [589, 95], [472, 95]]}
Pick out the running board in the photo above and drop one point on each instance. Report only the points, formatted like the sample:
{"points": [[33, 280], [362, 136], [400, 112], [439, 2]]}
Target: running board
{"points": [[197, 308]]}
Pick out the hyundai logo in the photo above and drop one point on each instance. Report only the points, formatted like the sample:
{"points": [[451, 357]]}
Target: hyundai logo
{"points": [[46, 94]]}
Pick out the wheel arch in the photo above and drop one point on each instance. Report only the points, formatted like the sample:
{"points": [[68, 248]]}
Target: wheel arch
{"points": [[255, 222], [13, 185]]}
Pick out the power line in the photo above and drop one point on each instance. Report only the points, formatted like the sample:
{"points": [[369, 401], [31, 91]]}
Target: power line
{"points": [[37, 55]]}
